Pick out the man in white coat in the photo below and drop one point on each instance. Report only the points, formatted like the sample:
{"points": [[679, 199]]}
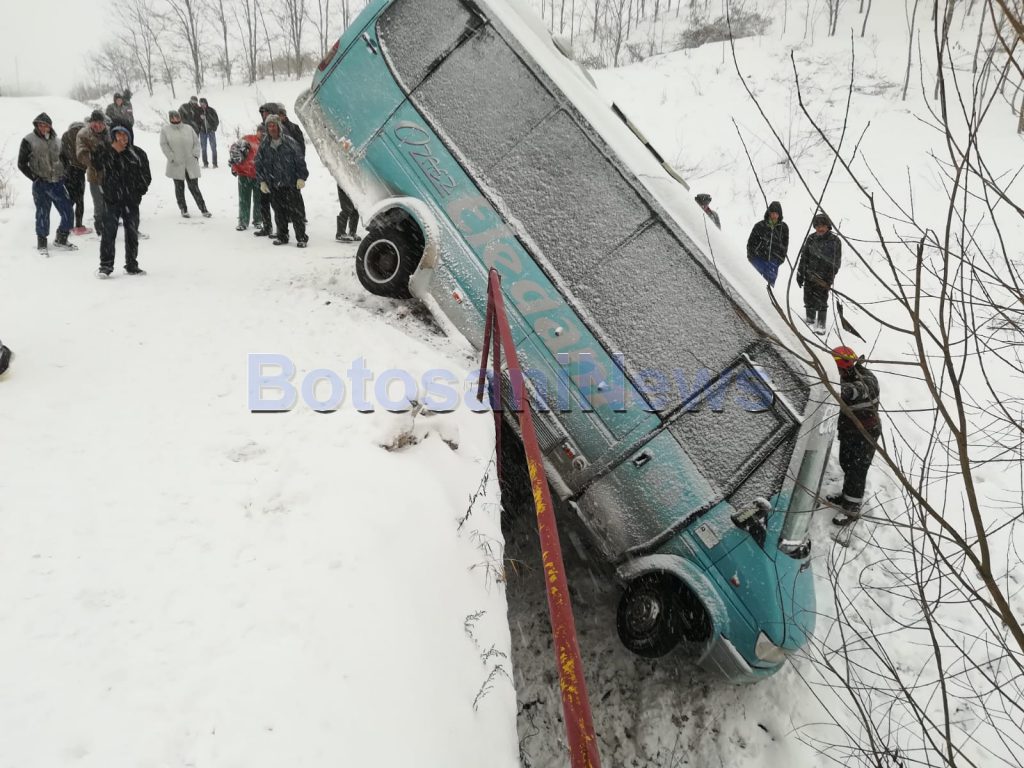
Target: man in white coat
{"points": [[180, 145]]}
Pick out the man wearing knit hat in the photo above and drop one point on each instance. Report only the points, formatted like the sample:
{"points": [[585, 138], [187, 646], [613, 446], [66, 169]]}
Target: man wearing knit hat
{"points": [[39, 158], [859, 431], [93, 136], [281, 171]]}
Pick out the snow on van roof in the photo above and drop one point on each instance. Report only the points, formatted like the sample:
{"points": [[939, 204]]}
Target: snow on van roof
{"points": [[722, 250]]}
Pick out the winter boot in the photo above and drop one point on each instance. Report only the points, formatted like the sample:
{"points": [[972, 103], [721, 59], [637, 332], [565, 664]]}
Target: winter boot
{"points": [[206, 214], [137, 271], [60, 242], [102, 273], [262, 232], [185, 214], [820, 328], [41, 246], [241, 227], [281, 240]]}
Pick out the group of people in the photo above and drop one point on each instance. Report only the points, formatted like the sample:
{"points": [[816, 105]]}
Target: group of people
{"points": [[100, 152], [818, 263]]}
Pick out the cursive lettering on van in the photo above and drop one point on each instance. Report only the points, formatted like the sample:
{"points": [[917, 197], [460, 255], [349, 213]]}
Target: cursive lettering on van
{"points": [[417, 141]]}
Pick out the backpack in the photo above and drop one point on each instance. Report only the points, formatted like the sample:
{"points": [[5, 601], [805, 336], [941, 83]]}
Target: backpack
{"points": [[238, 152]]}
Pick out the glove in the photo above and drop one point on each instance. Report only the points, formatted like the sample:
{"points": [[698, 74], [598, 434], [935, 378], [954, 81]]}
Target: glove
{"points": [[848, 392], [264, 188], [300, 183]]}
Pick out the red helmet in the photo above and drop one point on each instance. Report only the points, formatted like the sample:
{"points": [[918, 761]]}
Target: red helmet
{"points": [[845, 357]]}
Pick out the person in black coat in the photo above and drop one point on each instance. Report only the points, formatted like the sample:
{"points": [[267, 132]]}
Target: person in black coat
{"points": [[859, 391], [820, 258], [282, 173], [126, 178], [768, 244], [189, 112], [209, 121], [293, 130]]}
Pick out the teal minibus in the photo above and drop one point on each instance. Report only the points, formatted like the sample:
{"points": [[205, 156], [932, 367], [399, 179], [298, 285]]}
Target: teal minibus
{"points": [[675, 421]]}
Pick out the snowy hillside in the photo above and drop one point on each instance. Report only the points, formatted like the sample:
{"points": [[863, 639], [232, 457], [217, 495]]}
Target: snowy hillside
{"points": [[183, 582]]}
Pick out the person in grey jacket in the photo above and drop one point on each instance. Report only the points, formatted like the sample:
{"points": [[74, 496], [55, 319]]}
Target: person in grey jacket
{"points": [[820, 258], [39, 158], [180, 145]]}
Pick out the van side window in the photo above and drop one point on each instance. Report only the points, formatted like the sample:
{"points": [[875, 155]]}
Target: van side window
{"points": [[482, 120], [417, 35]]}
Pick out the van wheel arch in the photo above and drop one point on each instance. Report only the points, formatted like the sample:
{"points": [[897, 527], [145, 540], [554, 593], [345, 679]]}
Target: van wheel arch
{"points": [[657, 612], [389, 254]]}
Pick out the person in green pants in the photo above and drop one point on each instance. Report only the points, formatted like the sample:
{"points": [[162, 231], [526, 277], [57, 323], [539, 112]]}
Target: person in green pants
{"points": [[243, 166]]}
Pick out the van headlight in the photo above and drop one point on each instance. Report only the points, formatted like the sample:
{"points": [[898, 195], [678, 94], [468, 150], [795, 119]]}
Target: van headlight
{"points": [[768, 651]]}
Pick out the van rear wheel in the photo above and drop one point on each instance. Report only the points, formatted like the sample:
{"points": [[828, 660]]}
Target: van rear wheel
{"points": [[385, 261], [657, 612]]}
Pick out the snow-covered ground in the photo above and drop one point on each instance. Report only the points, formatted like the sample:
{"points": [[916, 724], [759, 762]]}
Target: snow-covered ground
{"points": [[183, 582]]}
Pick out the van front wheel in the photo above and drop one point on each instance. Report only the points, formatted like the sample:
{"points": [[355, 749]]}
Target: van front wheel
{"points": [[657, 612], [386, 259]]}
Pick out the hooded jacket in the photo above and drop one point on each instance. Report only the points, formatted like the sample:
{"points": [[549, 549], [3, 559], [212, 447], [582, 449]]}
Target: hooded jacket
{"points": [[67, 146], [39, 156], [767, 241], [821, 256], [280, 164], [180, 145], [126, 175]]}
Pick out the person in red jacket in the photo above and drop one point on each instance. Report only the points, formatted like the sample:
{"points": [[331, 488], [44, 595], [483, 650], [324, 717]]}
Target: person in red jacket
{"points": [[243, 166]]}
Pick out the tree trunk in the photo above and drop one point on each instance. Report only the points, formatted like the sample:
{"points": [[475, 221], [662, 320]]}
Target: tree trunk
{"points": [[912, 21]]}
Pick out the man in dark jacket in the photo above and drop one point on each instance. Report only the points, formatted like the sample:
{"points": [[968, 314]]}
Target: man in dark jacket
{"points": [[74, 175], [282, 173], [859, 392], [208, 123], [768, 244], [39, 158], [189, 112], [820, 258], [266, 110], [126, 178], [293, 130]]}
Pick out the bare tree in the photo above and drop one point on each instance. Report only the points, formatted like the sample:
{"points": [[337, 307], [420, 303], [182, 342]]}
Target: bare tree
{"points": [[941, 566], [249, 34], [187, 17], [322, 24], [911, 24], [114, 64], [292, 18], [266, 36], [220, 15]]}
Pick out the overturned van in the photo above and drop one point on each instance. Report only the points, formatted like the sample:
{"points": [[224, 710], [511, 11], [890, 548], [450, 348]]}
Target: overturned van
{"points": [[688, 441]]}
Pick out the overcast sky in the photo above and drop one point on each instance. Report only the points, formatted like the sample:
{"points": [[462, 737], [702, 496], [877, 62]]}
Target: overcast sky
{"points": [[45, 42]]}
